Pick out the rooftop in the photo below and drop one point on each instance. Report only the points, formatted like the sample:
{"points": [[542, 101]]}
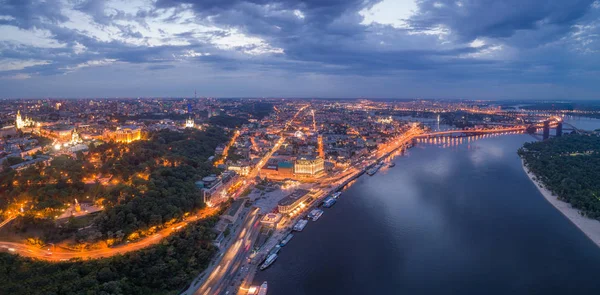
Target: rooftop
{"points": [[235, 206], [285, 165], [291, 198]]}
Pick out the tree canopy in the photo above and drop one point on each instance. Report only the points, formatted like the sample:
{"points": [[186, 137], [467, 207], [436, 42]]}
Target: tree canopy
{"points": [[150, 181], [569, 167], [227, 121], [165, 268]]}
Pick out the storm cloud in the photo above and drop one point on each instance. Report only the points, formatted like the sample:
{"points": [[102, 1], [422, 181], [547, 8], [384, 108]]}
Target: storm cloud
{"points": [[302, 48]]}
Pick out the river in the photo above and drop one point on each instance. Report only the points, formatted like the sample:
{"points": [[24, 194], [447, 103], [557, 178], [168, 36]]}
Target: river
{"points": [[463, 219]]}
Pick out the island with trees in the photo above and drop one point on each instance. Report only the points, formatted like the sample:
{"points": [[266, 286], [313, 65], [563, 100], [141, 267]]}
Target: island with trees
{"points": [[568, 167]]}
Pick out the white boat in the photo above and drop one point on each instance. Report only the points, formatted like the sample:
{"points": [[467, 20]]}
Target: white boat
{"points": [[299, 226], [268, 262], [336, 195], [328, 202], [275, 250], [286, 240], [374, 170], [263, 289], [315, 214]]}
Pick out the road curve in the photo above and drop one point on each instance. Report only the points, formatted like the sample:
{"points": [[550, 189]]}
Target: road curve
{"points": [[57, 254]]}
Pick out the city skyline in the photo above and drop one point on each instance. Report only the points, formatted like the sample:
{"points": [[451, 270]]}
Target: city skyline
{"points": [[201, 196], [322, 147], [373, 49]]}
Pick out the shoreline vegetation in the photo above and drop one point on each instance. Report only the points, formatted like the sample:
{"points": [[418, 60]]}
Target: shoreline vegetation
{"points": [[590, 227], [565, 171]]}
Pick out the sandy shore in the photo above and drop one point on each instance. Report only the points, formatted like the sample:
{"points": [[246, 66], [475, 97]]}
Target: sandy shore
{"points": [[590, 227]]}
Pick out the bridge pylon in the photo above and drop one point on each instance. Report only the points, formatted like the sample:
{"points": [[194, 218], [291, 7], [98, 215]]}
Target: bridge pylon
{"points": [[546, 130], [559, 129]]}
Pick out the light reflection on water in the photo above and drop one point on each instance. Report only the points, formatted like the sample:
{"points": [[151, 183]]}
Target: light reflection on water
{"points": [[458, 220]]}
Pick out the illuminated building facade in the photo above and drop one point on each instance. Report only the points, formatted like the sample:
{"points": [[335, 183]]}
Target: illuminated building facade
{"points": [[292, 201], [127, 134], [309, 167], [242, 170], [271, 219], [214, 188], [60, 132], [75, 138], [385, 120], [22, 123], [189, 123]]}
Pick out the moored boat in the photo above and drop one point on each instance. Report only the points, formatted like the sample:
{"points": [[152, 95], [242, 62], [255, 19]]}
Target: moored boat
{"points": [[315, 214], [375, 168], [286, 239], [328, 202], [299, 226], [270, 259], [275, 250]]}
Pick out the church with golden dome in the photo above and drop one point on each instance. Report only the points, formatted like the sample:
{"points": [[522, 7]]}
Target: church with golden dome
{"points": [[22, 123]]}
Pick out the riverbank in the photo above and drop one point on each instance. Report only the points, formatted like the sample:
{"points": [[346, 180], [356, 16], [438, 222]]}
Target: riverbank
{"points": [[590, 227], [285, 228], [432, 197]]}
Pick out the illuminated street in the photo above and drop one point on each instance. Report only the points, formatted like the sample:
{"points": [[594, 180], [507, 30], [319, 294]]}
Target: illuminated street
{"points": [[314, 148], [178, 146], [58, 254], [229, 262]]}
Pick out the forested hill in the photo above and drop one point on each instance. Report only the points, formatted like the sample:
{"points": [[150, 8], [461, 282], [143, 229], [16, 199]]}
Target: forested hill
{"points": [[165, 268], [569, 167], [155, 183], [173, 162], [151, 182]]}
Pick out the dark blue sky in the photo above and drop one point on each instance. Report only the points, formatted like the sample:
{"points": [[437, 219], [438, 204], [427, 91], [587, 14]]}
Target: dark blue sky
{"points": [[519, 49]]}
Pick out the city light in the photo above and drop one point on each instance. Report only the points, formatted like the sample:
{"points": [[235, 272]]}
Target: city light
{"points": [[319, 147]]}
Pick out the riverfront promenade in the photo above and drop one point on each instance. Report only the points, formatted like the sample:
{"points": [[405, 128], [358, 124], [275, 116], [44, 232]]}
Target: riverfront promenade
{"points": [[336, 183]]}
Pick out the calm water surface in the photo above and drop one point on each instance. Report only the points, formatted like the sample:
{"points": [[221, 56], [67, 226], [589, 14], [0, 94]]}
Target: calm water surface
{"points": [[583, 122], [456, 220]]}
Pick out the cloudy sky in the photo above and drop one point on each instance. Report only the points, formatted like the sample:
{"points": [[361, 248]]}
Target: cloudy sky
{"points": [[519, 49]]}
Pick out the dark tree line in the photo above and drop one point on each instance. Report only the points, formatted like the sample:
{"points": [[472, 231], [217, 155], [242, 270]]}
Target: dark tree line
{"points": [[227, 121], [162, 269], [569, 167]]}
